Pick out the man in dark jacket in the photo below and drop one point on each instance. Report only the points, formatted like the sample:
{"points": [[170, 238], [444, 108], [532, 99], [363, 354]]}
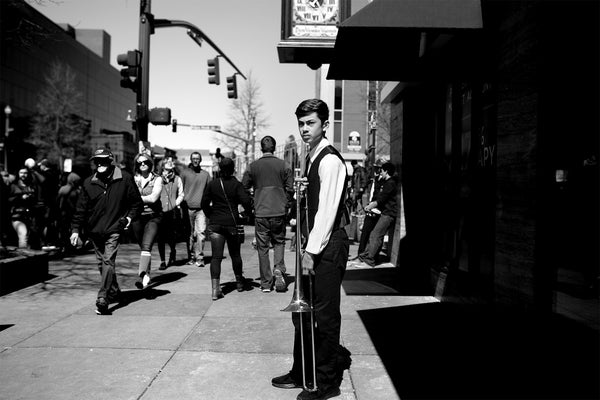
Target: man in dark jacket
{"points": [[272, 181], [108, 202], [385, 202]]}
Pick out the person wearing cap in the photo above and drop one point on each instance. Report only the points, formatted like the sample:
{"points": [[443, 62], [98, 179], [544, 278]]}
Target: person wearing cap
{"points": [[272, 180], [195, 180], [108, 202], [220, 202], [371, 217], [171, 197], [385, 201], [146, 227]]}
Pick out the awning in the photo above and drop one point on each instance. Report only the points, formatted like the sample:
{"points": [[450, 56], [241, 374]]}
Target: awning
{"points": [[394, 39]]}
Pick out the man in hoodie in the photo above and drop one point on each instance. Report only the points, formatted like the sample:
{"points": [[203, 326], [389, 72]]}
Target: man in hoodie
{"points": [[194, 182], [108, 202]]}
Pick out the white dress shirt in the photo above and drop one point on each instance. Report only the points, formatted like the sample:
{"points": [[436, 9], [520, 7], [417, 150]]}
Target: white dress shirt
{"points": [[332, 177]]}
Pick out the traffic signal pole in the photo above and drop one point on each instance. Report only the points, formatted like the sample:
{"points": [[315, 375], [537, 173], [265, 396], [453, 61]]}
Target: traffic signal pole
{"points": [[147, 24], [143, 92]]}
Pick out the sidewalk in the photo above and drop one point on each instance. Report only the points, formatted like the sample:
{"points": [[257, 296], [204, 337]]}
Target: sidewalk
{"points": [[171, 341]]}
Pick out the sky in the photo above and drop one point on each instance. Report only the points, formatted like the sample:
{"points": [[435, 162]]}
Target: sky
{"points": [[246, 31]]}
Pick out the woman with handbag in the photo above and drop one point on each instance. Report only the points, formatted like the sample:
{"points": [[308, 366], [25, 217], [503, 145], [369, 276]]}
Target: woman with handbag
{"points": [[146, 226], [171, 198], [221, 197]]}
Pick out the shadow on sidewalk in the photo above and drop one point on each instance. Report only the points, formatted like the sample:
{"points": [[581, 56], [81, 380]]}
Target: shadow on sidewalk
{"points": [[149, 293], [457, 351]]}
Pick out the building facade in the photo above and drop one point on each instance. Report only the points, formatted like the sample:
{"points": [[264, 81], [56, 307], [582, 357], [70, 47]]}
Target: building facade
{"points": [[30, 44], [495, 130]]}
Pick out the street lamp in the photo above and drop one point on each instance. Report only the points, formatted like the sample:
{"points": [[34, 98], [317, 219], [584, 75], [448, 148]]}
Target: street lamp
{"points": [[7, 112]]}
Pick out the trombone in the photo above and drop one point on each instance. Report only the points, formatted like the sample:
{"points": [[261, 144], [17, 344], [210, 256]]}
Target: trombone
{"points": [[300, 303]]}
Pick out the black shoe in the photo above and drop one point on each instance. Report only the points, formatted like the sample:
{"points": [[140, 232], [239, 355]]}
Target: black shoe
{"points": [[101, 306], [319, 395], [163, 266], [285, 382]]}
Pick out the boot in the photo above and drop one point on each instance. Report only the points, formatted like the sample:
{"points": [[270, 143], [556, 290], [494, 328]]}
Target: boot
{"points": [[216, 289], [239, 281]]}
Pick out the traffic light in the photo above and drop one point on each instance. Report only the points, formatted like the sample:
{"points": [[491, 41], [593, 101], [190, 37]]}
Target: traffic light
{"points": [[213, 71], [174, 125], [160, 116], [131, 76], [231, 87]]}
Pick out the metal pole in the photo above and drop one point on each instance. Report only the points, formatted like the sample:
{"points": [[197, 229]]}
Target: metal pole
{"points": [[7, 112], [143, 93]]}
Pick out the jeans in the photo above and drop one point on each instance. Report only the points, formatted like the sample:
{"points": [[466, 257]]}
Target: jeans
{"points": [[270, 230], [329, 268], [368, 224], [376, 239], [219, 234], [146, 230], [22, 233], [167, 234], [197, 238], [106, 248]]}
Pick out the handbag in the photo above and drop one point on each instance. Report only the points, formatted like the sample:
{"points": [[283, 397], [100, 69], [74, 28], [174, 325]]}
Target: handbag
{"points": [[238, 227]]}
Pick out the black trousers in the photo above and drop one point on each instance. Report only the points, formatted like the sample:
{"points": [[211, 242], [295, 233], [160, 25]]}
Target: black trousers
{"points": [[330, 267]]}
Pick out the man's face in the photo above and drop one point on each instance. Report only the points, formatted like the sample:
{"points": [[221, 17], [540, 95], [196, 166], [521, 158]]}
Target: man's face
{"points": [[312, 129], [23, 174], [102, 164], [195, 160]]}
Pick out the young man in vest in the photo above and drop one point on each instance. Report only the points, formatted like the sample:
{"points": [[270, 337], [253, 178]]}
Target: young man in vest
{"points": [[324, 258]]}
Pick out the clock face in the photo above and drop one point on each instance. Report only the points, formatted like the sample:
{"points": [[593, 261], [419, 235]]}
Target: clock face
{"points": [[315, 18]]}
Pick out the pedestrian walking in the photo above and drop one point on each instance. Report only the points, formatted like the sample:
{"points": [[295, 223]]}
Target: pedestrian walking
{"points": [[171, 197], [195, 180], [220, 202], [108, 202], [324, 259], [145, 228], [272, 182]]}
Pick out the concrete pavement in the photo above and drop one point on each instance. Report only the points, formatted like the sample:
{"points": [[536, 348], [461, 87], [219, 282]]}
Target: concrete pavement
{"points": [[171, 341]]}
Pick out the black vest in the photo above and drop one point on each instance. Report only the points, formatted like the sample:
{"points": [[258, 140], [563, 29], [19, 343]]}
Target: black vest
{"points": [[310, 202]]}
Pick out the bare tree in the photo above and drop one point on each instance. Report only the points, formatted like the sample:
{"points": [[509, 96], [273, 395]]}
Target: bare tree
{"points": [[58, 129], [247, 118]]}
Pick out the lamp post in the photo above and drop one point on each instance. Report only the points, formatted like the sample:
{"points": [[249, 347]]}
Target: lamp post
{"points": [[7, 112], [254, 137]]}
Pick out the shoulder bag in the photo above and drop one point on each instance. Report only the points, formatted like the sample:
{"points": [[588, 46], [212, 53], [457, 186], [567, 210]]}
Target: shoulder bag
{"points": [[239, 227]]}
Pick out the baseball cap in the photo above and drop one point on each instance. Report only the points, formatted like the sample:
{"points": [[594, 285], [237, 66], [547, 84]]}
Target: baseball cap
{"points": [[379, 162], [102, 153]]}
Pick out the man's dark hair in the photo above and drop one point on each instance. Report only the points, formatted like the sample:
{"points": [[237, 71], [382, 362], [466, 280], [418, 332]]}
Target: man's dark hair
{"points": [[353, 162], [389, 168], [268, 144], [313, 105], [226, 166]]}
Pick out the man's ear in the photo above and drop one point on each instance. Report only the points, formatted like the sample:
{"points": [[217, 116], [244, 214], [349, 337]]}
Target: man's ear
{"points": [[325, 125]]}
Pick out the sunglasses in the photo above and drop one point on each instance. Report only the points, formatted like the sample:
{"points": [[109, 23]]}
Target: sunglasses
{"points": [[146, 162]]}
